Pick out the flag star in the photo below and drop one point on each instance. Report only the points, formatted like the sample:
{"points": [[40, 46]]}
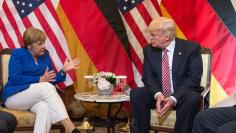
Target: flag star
{"points": [[124, 7], [18, 2], [30, 5], [22, 11], [133, 1], [126, 0], [23, 3]]}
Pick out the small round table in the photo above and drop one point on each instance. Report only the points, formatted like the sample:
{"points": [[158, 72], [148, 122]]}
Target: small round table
{"points": [[110, 120]]}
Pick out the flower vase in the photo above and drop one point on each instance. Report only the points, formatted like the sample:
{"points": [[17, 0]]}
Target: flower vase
{"points": [[106, 91]]}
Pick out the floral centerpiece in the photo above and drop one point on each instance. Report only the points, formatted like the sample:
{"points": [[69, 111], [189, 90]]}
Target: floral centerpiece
{"points": [[105, 82]]}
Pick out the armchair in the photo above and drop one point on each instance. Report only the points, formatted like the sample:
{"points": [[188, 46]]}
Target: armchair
{"points": [[25, 119], [167, 122]]}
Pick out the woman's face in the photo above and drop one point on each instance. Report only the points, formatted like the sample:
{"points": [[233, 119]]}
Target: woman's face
{"points": [[38, 48]]}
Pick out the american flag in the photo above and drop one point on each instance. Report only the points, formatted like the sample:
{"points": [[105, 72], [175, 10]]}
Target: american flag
{"points": [[136, 15], [17, 15]]}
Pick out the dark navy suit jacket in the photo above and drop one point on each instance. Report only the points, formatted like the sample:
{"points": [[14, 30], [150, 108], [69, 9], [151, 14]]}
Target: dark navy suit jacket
{"points": [[186, 68]]}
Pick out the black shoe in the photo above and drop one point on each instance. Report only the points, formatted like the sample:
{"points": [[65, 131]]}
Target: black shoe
{"points": [[75, 131]]}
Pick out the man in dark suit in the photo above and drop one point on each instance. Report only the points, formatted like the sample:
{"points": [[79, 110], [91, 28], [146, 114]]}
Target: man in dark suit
{"points": [[216, 120], [171, 74], [8, 122]]}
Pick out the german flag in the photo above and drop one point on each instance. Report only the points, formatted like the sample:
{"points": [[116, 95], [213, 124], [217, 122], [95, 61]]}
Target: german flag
{"points": [[212, 24], [92, 38]]}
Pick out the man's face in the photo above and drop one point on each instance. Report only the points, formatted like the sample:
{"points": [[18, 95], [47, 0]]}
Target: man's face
{"points": [[37, 48], [158, 39]]}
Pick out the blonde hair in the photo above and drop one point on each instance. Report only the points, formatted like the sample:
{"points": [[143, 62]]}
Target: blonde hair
{"points": [[33, 35], [164, 25]]}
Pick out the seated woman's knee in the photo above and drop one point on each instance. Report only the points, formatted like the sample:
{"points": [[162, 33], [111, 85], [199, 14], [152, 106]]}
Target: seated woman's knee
{"points": [[48, 87], [42, 107]]}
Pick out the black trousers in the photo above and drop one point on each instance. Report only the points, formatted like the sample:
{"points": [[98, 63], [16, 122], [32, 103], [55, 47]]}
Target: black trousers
{"points": [[216, 120], [142, 101], [8, 122]]}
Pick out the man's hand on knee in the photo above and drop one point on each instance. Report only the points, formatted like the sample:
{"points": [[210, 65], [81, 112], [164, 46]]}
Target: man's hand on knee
{"points": [[167, 104]]}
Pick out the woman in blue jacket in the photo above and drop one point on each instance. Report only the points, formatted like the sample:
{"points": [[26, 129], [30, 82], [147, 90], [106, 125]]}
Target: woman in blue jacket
{"points": [[30, 83]]}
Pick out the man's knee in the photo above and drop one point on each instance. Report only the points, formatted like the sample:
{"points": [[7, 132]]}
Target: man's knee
{"points": [[199, 118], [192, 98], [7, 121], [136, 94], [11, 123], [3, 127], [227, 128]]}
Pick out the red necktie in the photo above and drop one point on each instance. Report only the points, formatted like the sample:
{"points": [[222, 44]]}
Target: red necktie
{"points": [[166, 81]]}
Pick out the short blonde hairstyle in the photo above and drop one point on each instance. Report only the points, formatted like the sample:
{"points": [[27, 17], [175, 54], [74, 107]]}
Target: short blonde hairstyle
{"points": [[33, 35], [164, 25]]}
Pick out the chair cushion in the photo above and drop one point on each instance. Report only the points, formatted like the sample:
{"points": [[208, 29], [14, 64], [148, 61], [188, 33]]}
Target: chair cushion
{"points": [[5, 62], [24, 118], [205, 75], [168, 120]]}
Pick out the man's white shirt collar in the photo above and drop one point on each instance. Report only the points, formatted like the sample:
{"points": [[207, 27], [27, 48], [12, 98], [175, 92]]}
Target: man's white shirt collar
{"points": [[171, 47]]}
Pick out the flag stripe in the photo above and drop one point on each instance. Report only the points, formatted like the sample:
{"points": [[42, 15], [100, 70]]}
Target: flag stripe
{"points": [[17, 18], [9, 29], [13, 22], [144, 13], [136, 61], [156, 5], [134, 27], [133, 41], [6, 36], [136, 50], [151, 9], [27, 22], [140, 21], [226, 12], [137, 77], [2, 41], [51, 9]]}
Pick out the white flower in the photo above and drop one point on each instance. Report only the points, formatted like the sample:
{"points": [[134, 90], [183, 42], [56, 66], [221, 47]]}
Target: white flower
{"points": [[103, 84], [108, 76]]}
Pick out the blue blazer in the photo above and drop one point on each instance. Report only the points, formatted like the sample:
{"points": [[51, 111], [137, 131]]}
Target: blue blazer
{"points": [[186, 68], [23, 71]]}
